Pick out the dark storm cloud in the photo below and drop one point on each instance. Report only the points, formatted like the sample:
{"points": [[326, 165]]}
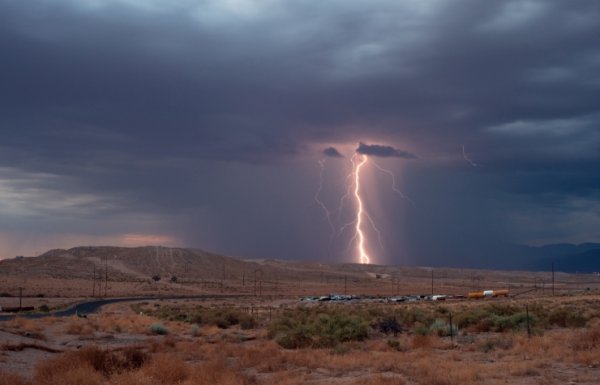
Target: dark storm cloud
{"points": [[150, 107], [332, 152], [383, 151]]}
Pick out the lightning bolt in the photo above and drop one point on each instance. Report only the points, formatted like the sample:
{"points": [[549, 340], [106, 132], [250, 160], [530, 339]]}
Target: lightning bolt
{"points": [[394, 188], [466, 157], [320, 203], [362, 253], [361, 218]]}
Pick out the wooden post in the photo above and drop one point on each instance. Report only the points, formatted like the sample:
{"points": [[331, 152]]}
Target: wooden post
{"points": [[105, 276], [451, 329], [223, 276]]}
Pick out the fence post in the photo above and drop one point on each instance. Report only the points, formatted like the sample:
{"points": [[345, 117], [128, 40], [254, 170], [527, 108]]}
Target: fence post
{"points": [[451, 329]]}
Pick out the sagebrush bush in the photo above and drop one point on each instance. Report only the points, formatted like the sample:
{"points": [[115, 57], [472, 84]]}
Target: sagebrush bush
{"points": [[159, 329], [195, 330], [565, 317], [388, 324], [495, 318], [503, 342], [441, 328], [322, 327], [222, 317]]}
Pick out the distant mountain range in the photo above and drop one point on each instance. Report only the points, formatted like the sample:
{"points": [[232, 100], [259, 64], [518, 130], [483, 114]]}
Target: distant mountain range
{"points": [[570, 258], [151, 260], [566, 257]]}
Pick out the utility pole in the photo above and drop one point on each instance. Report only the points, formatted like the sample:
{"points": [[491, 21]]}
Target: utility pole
{"points": [[94, 282], [20, 298], [105, 275], [222, 275], [345, 285], [451, 331], [431, 281], [258, 274]]}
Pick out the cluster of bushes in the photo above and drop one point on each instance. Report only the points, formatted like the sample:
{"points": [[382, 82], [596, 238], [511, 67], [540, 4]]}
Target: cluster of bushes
{"points": [[322, 327], [222, 317], [496, 318], [328, 326], [508, 317]]}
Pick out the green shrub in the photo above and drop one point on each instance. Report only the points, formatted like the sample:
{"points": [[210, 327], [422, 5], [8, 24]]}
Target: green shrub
{"points": [[389, 324], [44, 308], [495, 343], [298, 337], [421, 329], [317, 328], [393, 343], [565, 317], [517, 321], [496, 318], [247, 322], [416, 315], [195, 330], [441, 328], [158, 329]]}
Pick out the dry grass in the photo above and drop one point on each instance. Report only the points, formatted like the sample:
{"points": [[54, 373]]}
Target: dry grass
{"points": [[429, 371], [167, 369], [229, 357], [588, 339], [217, 372], [380, 380], [12, 379], [81, 326], [56, 372]]}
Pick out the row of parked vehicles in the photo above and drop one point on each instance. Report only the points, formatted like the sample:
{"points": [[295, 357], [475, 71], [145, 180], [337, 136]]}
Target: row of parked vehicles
{"points": [[405, 298]]}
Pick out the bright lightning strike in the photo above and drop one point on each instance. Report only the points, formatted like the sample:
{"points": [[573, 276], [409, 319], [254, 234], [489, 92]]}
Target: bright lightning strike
{"points": [[354, 189], [362, 253]]}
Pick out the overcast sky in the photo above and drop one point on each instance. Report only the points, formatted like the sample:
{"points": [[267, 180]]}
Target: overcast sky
{"points": [[205, 124]]}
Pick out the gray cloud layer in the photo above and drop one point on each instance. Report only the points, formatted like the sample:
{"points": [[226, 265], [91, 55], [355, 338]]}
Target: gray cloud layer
{"points": [[192, 114], [383, 151], [332, 152]]}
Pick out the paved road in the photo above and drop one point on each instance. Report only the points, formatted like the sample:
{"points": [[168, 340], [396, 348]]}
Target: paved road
{"points": [[93, 306]]}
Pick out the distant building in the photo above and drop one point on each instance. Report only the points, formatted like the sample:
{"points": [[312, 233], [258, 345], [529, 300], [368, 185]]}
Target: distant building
{"points": [[19, 257]]}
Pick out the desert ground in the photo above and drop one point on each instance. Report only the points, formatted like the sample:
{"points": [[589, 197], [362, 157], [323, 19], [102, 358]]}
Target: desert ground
{"points": [[206, 319]]}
